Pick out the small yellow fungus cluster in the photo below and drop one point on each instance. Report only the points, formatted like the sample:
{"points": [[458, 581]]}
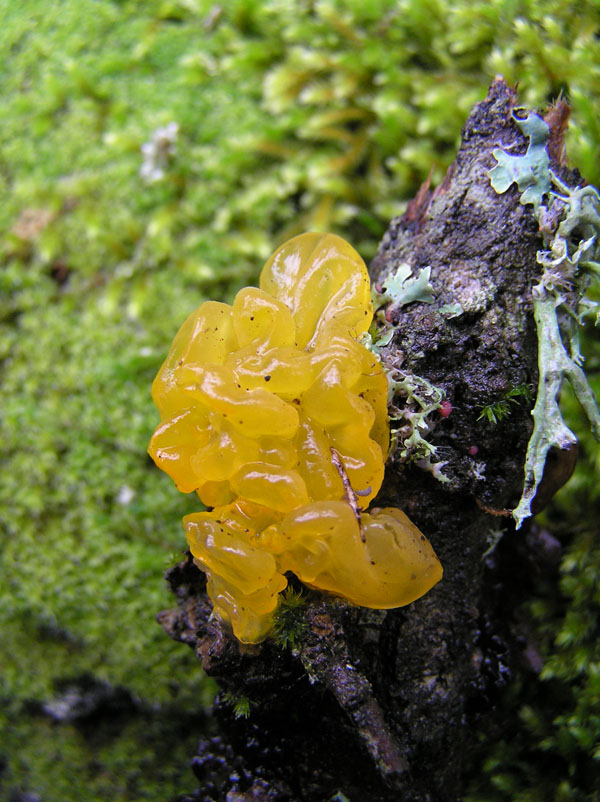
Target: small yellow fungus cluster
{"points": [[277, 417]]}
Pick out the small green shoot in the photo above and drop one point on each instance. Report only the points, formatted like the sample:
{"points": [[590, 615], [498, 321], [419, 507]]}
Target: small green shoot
{"points": [[498, 410], [290, 622], [241, 704]]}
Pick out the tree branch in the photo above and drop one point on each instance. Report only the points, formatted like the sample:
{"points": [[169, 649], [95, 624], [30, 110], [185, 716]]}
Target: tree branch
{"points": [[372, 704]]}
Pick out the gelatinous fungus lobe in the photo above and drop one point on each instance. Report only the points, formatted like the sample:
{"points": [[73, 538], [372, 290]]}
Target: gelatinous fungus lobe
{"points": [[276, 415]]}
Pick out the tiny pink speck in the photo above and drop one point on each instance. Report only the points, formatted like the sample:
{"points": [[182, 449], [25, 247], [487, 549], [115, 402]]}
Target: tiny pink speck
{"points": [[445, 409]]}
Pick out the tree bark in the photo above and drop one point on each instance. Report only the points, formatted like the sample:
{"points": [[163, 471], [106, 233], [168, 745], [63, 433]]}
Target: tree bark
{"points": [[381, 705]]}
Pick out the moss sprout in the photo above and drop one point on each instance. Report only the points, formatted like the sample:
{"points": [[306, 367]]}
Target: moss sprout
{"points": [[500, 409], [241, 705], [290, 621]]}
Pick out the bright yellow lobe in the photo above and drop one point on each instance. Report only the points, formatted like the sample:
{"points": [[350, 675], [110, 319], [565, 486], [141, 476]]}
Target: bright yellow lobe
{"points": [[274, 413]]}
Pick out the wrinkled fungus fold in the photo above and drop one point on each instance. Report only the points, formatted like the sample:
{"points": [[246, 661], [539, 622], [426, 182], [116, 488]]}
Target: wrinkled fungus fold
{"points": [[276, 416]]}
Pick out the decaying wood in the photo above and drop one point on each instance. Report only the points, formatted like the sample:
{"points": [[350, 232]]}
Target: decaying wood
{"points": [[380, 705]]}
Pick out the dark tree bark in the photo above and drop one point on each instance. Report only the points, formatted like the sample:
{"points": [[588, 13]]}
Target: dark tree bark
{"points": [[381, 705]]}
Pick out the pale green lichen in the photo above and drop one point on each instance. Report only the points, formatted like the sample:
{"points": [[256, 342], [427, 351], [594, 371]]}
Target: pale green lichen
{"points": [[402, 287], [550, 430], [567, 265], [450, 311], [375, 340], [412, 400], [530, 172]]}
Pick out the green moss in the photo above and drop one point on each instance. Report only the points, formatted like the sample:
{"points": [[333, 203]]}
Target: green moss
{"points": [[500, 409], [290, 620], [241, 705], [142, 757]]}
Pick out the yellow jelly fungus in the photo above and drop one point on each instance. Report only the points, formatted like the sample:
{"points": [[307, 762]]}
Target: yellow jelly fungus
{"points": [[277, 417]]}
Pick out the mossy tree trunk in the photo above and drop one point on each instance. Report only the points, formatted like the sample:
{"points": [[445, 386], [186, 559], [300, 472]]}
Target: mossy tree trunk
{"points": [[381, 705]]}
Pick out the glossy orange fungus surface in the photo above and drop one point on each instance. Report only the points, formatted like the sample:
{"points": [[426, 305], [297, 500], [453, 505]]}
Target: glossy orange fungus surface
{"points": [[277, 417]]}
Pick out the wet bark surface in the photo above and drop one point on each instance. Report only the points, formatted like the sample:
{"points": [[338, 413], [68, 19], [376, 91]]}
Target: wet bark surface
{"points": [[381, 705]]}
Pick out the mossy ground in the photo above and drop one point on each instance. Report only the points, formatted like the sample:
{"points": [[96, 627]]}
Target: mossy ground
{"points": [[292, 116]]}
